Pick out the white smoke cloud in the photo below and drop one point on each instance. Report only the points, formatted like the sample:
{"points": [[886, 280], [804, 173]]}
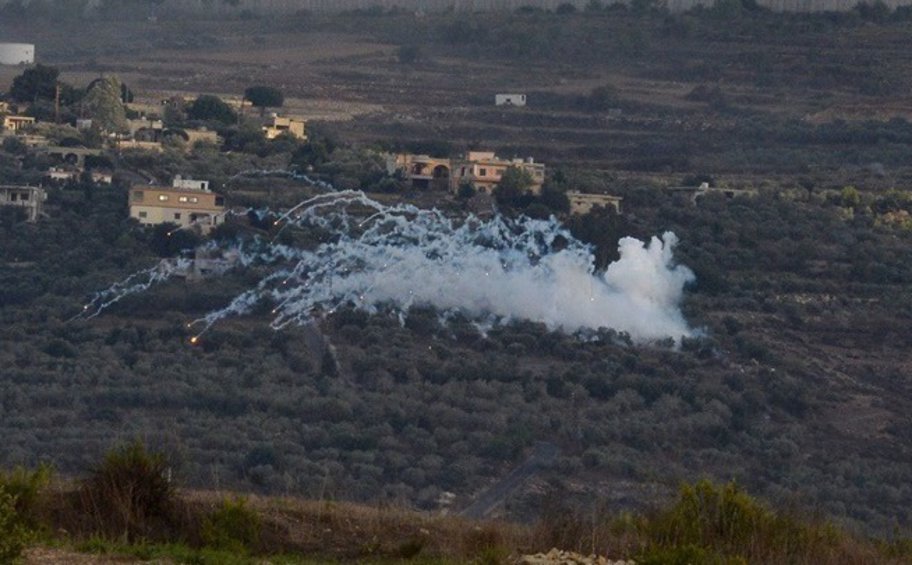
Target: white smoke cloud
{"points": [[389, 258]]}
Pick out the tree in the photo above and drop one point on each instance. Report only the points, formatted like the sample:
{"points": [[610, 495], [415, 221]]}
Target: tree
{"points": [[211, 108], [37, 82], [103, 104], [263, 97], [513, 186], [555, 198], [466, 190]]}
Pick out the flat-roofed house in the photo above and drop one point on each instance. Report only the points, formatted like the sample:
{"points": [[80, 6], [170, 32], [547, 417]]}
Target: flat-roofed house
{"points": [[421, 171], [582, 202], [186, 207], [16, 123], [483, 170], [510, 99], [277, 125], [29, 198]]}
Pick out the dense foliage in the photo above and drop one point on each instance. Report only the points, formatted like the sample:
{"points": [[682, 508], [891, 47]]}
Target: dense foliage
{"points": [[797, 385]]}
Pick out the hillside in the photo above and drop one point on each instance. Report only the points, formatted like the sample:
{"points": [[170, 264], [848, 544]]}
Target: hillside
{"points": [[797, 385]]}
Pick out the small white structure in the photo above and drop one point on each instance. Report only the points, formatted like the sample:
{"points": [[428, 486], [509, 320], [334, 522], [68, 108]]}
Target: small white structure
{"points": [[189, 184], [510, 99], [17, 53]]}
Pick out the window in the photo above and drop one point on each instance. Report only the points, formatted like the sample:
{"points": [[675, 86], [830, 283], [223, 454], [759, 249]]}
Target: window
{"points": [[142, 214], [182, 199], [177, 216], [162, 197], [194, 199], [482, 172]]}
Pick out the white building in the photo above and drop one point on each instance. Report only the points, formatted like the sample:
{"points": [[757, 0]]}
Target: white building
{"points": [[189, 184], [510, 99], [17, 53]]}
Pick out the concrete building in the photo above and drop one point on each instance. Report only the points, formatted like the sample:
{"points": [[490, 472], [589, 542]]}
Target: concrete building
{"points": [[582, 203], [17, 53], [62, 174], [66, 174], [74, 156], [202, 135], [483, 170], [186, 207], [128, 144], [16, 123], [145, 129], [510, 99], [276, 126], [30, 198], [421, 171], [190, 184]]}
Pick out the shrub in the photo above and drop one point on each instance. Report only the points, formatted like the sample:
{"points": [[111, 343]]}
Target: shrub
{"points": [[13, 534], [722, 524], [234, 526], [129, 495], [27, 489]]}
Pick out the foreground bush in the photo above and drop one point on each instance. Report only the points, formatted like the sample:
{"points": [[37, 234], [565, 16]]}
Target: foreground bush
{"points": [[722, 524], [13, 534], [28, 490], [129, 496], [233, 526]]}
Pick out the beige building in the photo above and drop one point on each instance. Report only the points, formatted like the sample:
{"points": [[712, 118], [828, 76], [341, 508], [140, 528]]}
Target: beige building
{"points": [[483, 170], [153, 205], [202, 135], [421, 171], [276, 126], [30, 198], [145, 129], [582, 203], [16, 123]]}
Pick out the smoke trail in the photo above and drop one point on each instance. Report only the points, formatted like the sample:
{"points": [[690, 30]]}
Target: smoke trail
{"points": [[135, 283], [376, 257]]}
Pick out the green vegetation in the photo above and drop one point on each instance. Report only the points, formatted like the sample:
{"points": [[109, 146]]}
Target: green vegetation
{"points": [[797, 388], [263, 97], [211, 108], [233, 527], [708, 523], [13, 534], [129, 495], [723, 524], [37, 82]]}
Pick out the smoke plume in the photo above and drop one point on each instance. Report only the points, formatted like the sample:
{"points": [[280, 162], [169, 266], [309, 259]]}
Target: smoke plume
{"points": [[376, 257]]}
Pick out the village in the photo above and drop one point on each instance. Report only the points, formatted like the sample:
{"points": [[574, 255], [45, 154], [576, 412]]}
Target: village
{"points": [[66, 136]]}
